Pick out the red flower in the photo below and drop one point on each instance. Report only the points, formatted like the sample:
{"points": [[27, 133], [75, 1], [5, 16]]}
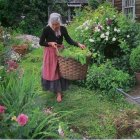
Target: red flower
{"points": [[2, 109]]}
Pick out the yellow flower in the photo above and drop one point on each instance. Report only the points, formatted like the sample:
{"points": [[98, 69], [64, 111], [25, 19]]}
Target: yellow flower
{"points": [[14, 118]]}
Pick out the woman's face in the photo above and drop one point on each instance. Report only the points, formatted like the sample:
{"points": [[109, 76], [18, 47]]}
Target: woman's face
{"points": [[56, 26]]}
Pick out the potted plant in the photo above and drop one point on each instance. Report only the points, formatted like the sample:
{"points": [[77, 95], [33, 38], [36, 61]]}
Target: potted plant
{"points": [[135, 63]]}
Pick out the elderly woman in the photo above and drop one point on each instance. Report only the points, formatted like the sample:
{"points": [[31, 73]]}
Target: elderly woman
{"points": [[52, 35]]}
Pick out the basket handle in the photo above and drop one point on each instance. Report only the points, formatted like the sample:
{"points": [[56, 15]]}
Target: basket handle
{"points": [[57, 51]]}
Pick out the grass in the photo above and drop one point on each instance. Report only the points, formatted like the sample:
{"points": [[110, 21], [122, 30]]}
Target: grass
{"points": [[90, 113]]}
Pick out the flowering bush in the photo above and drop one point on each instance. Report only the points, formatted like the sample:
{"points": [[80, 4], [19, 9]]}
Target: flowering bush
{"points": [[107, 33], [22, 114]]}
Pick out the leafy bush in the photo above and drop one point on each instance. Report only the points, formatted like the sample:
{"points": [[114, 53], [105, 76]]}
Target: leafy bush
{"points": [[94, 3], [19, 96], [107, 78], [29, 17], [107, 33], [135, 59]]}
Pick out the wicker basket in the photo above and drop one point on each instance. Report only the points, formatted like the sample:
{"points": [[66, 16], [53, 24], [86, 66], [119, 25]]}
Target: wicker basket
{"points": [[71, 69]]}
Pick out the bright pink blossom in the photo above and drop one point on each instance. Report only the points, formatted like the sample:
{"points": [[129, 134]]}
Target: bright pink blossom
{"points": [[22, 119], [2, 109]]}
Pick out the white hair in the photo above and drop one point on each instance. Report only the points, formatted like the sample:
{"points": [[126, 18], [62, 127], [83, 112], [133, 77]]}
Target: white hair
{"points": [[54, 17]]}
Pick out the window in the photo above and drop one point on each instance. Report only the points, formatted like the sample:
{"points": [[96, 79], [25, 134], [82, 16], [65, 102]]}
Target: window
{"points": [[128, 8]]}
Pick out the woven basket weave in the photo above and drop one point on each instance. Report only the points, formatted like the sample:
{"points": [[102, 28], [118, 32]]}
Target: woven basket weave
{"points": [[71, 69]]}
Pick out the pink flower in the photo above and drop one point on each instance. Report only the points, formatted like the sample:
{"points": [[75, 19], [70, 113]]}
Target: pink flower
{"points": [[22, 119], [12, 65], [2, 109]]}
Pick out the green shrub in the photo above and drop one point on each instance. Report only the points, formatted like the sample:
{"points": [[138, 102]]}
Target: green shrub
{"points": [[19, 95], [135, 59], [94, 3], [107, 78], [107, 33]]}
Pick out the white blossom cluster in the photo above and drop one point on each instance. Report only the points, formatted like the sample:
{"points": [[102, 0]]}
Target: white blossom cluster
{"points": [[84, 26]]}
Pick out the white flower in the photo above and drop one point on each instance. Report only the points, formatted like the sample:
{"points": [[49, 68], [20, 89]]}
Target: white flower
{"points": [[0, 77], [1, 67], [106, 38], [118, 30], [22, 17], [3, 36], [115, 29], [102, 35], [128, 36], [97, 29], [107, 33], [60, 131], [8, 35], [86, 28], [106, 18], [113, 39], [108, 27], [15, 56], [91, 40], [114, 16]]}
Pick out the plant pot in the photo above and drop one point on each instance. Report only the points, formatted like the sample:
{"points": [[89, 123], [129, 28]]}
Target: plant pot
{"points": [[20, 49], [137, 75]]}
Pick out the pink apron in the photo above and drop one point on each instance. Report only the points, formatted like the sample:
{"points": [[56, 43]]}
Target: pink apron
{"points": [[50, 70]]}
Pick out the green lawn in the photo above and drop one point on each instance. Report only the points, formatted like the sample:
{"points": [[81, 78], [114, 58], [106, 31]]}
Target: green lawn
{"points": [[88, 112]]}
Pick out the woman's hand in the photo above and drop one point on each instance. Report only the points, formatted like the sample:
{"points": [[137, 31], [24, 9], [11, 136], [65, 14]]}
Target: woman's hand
{"points": [[52, 44], [81, 46]]}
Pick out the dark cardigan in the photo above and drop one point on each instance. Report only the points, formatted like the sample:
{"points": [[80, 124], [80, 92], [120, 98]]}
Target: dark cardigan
{"points": [[48, 35]]}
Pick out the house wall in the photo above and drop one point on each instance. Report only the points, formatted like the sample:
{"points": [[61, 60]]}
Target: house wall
{"points": [[138, 10], [118, 5]]}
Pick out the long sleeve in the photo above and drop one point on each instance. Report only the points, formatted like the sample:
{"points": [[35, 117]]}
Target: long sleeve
{"points": [[43, 41], [68, 38]]}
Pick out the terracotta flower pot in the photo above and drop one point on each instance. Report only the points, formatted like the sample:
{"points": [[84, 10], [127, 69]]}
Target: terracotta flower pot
{"points": [[137, 75], [20, 49]]}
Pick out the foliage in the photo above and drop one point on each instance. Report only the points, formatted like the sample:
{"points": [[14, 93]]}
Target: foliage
{"points": [[59, 8], [95, 3], [93, 115], [135, 59], [106, 78], [107, 33], [4, 43], [76, 53], [18, 94], [29, 16]]}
